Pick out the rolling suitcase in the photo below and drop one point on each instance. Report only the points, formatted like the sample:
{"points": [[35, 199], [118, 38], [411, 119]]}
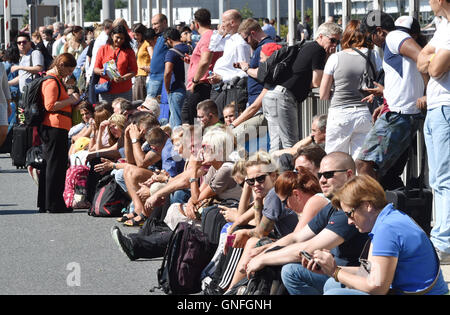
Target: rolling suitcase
{"points": [[22, 140], [416, 200]]}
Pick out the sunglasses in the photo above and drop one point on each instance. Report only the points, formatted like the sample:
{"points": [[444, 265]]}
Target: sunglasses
{"points": [[329, 174], [334, 40], [350, 213], [23, 42], [260, 179]]}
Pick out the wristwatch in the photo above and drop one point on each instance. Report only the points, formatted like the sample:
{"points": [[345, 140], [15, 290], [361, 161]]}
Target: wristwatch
{"points": [[134, 140], [195, 82], [192, 180]]}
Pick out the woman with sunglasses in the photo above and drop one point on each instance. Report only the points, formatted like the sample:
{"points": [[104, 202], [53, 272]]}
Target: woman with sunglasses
{"points": [[349, 119], [401, 259], [270, 216], [299, 191]]}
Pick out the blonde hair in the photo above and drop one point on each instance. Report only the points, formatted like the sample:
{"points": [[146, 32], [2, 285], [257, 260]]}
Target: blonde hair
{"points": [[360, 189], [221, 141]]}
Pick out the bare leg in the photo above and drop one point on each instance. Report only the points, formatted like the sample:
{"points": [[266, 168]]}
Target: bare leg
{"points": [[134, 175]]}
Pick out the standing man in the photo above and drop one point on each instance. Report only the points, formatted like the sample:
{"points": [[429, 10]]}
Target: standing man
{"points": [[256, 38], [434, 60], [201, 61], [174, 74], [157, 67], [235, 49], [30, 64], [285, 100]]}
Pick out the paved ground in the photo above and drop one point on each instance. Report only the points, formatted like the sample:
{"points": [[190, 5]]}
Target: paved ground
{"points": [[60, 253], [66, 254]]}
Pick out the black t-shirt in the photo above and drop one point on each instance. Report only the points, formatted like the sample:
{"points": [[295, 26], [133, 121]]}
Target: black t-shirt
{"points": [[348, 253], [311, 57]]}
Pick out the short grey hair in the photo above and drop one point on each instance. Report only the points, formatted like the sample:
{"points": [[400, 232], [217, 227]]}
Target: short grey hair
{"points": [[321, 121], [329, 29], [152, 105]]}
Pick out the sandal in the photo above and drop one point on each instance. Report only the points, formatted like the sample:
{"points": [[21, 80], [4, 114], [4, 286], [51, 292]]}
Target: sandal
{"points": [[133, 222], [126, 217]]}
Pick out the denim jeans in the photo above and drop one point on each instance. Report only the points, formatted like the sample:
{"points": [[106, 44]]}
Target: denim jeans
{"points": [[300, 281], [437, 140], [284, 121], [154, 87], [176, 100]]}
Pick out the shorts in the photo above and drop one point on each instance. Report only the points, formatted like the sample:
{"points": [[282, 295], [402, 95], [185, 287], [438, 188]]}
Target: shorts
{"points": [[3, 114], [388, 139]]}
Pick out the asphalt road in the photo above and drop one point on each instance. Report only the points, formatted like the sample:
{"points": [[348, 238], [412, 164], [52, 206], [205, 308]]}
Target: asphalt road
{"points": [[67, 254]]}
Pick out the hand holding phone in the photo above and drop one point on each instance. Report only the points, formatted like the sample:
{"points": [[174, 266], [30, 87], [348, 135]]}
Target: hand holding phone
{"points": [[230, 240]]}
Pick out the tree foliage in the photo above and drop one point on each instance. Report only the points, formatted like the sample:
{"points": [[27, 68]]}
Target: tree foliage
{"points": [[92, 8]]}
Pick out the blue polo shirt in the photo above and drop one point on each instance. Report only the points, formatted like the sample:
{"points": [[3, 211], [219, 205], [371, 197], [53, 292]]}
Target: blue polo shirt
{"points": [[157, 65], [253, 86], [395, 234], [169, 164]]}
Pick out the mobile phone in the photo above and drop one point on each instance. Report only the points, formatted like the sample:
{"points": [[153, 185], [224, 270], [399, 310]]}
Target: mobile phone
{"points": [[309, 258]]}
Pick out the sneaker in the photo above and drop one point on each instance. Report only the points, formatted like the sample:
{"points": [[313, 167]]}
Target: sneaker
{"points": [[444, 257], [124, 243]]}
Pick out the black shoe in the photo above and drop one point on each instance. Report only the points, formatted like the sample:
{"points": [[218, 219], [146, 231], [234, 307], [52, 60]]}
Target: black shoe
{"points": [[125, 244]]}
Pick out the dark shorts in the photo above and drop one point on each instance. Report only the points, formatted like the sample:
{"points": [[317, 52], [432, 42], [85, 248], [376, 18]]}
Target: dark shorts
{"points": [[388, 139]]}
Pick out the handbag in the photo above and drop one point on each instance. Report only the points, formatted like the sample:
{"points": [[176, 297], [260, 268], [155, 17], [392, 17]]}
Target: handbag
{"points": [[368, 77], [102, 87]]}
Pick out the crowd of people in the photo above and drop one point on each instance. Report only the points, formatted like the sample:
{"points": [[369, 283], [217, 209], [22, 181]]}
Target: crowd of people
{"points": [[170, 112]]}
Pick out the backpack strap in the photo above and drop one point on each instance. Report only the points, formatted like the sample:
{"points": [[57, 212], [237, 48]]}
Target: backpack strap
{"points": [[369, 62], [61, 112]]}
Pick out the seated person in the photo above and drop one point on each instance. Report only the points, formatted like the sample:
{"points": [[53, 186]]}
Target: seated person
{"points": [[329, 229], [229, 114], [317, 136], [400, 259], [109, 133], [150, 105], [217, 181], [268, 212], [85, 128], [309, 157]]}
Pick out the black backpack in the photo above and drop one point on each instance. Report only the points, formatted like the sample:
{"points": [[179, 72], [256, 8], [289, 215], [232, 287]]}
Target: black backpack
{"points": [[279, 65], [187, 254], [32, 102]]}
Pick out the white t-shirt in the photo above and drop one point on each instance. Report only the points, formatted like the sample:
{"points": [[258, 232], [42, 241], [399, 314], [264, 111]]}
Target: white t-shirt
{"points": [[403, 83], [438, 90]]}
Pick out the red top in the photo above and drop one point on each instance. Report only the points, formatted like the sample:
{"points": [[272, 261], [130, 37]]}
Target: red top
{"points": [[126, 63]]}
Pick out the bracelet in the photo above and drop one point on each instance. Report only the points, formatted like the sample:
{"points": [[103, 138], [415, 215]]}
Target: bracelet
{"points": [[114, 166], [336, 272]]}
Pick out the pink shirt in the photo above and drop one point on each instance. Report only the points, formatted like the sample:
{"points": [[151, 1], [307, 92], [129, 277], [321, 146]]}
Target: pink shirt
{"points": [[202, 46]]}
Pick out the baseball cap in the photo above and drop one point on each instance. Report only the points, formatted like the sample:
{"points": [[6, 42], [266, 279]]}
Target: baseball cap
{"points": [[408, 23], [269, 48]]}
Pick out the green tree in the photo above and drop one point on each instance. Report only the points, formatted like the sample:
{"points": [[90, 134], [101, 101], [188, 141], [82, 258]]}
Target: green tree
{"points": [[92, 9], [246, 12]]}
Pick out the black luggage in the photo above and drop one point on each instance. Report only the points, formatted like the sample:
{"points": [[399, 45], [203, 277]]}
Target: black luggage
{"points": [[415, 199], [22, 140]]}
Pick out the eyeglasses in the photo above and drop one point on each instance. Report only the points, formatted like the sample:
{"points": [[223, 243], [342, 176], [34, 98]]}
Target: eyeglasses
{"points": [[329, 174], [350, 213], [334, 40], [23, 42], [260, 179]]}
